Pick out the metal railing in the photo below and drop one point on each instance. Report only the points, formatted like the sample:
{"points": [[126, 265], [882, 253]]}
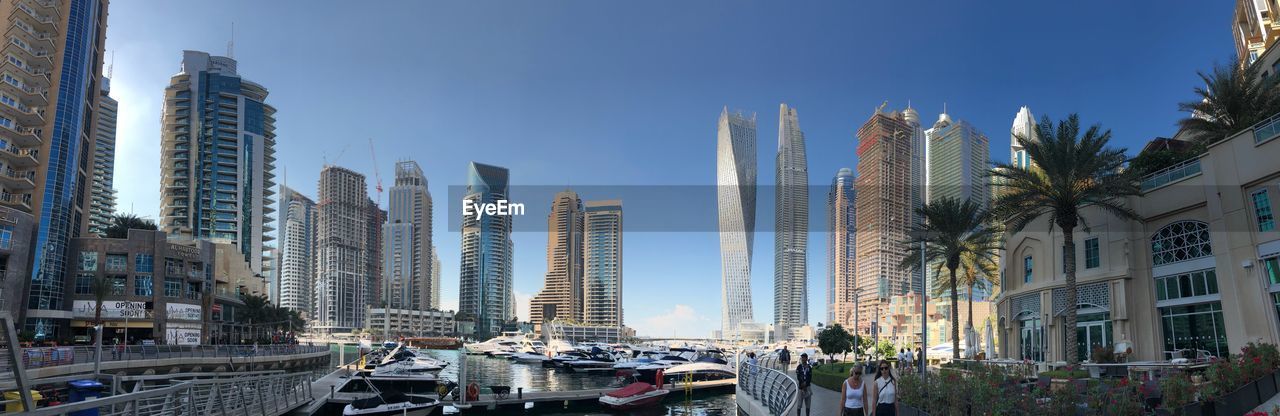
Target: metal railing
{"points": [[772, 388], [265, 395], [40, 357], [1266, 129], [1180, 171]]}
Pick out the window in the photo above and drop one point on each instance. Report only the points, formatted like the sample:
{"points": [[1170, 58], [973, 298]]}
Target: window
{"points": [[193, 291], [1197, 283], [84, 284], [117, 285], [1272, 269], [142, 285], [1027, 266], [117, 263], [6, 236], [88, 261], [1180, 241], [1198, 326], [173, 267], [1092, 257], [1262, 211], [173, 287], [142, 263]]}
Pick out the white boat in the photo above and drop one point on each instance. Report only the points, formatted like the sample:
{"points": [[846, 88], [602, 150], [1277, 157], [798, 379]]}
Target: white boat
{"points": [[674, 357], [633, 396], [488, 346], [710, 366], [391, 404], [596, 360]]}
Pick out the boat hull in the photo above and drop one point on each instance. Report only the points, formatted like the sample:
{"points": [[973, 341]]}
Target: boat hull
{"points": [[634, 402]]}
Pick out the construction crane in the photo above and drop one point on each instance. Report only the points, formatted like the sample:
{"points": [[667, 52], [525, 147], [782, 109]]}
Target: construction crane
{"points": [[376, 176]]}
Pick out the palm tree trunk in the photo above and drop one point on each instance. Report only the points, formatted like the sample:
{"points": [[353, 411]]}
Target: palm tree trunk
{"points": [[971, 306], [1069, 316], [955, 317]]}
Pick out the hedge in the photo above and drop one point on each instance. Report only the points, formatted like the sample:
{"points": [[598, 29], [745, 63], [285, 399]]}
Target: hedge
{"points": [[830, 376]]}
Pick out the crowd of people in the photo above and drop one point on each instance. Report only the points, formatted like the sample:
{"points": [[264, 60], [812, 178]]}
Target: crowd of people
{"points": [[857, 397]]}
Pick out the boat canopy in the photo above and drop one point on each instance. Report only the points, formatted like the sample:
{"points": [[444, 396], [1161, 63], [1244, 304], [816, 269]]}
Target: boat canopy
{"points": [[632, 389]]}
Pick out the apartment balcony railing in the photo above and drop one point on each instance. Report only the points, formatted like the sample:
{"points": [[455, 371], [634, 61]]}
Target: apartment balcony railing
{"points": [[1175, 173], [1267, 129]]}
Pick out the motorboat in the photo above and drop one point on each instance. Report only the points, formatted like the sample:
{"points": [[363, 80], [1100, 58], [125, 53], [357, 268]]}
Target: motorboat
{"points": [[504, 349], [392, 404], [488, 346], [675, 356], [642, 359], [710, 366], [633, 396], [567, 356], [596, 360]]}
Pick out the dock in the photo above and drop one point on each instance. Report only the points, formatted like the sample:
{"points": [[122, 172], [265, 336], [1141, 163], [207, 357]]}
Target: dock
{"points": [[491, 402], [322, 390]]}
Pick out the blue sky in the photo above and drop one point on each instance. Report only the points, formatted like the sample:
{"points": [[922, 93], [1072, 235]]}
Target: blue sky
{"points": [[627, 93]]}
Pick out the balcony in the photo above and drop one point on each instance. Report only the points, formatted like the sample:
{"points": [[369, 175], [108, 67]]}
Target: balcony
{"points": [[49, 6], [22, 202], [29, 53], [31, 36], [37, 20], [22, 113], [18, 157], [1172, 174], [25, 92], [12, 179]]}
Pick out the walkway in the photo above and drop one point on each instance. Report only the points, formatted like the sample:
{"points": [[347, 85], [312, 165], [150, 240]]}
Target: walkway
{"points": [[826, 402]]}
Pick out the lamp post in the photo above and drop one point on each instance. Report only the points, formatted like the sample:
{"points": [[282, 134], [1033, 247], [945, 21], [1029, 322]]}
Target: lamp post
{"points": [[924, 314]]}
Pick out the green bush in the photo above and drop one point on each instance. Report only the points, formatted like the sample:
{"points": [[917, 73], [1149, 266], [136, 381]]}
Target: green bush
{"points": [[983, 391], [829, 376]]}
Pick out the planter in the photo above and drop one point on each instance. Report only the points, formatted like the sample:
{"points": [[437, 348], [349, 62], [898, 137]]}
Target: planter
{"points": [[1266, 387], [1195, 409], [1095, 372], [1238, 402], [910, 411]]}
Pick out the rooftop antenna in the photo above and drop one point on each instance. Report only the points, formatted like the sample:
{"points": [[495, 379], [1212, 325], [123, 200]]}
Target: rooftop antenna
{"points": [[231, 44]]}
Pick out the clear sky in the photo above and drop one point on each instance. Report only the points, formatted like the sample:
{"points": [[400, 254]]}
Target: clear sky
{"points": [[627, 93]]}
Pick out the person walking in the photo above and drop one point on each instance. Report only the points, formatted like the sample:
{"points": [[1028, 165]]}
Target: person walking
{"points": [[911, 359], [785, 357], [886, 391], [804, 377], [853, 394], [752, 363]]}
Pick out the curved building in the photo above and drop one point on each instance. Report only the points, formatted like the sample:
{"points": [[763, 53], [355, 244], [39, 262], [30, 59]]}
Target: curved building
{"points": [[485, 291], [736, 200]]}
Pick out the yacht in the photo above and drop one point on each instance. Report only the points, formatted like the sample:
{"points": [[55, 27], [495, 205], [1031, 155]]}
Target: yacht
{"points": [[489, 346], [596, 360], [711, 365], [386, 400], [530, 351], [673, 357]]}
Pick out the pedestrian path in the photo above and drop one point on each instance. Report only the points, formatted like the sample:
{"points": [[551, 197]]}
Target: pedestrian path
{"points": [[1269, 405], [825, 402]]}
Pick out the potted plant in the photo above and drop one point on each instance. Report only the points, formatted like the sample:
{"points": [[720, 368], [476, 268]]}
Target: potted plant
{"points": [[1101, 355], [1178, 396], [1229, 387]]}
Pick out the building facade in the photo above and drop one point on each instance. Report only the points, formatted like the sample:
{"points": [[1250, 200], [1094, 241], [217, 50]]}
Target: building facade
{"points": [[602, 263], [411, 323], [1254, 28], [1201, 271], [791, 224], [49, 111], [736, 202], [957, 157], [17, 229], [406, 252], [102, 193], [884, 210], [342, 249], [297, 251], [485, 290], [1024, 125], [841, 249], [217, 156], [157, 287], [561, 296]]}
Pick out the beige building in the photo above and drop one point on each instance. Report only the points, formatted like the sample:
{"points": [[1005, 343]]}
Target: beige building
{"points": [[410, 323], [900, 320], [884, 210], [561, 296], [1202, 270], [1254, 28]]}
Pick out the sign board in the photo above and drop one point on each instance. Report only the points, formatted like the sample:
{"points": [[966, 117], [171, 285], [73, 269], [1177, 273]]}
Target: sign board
{"points": [[183, 311], [178, 334], [110, 309]]}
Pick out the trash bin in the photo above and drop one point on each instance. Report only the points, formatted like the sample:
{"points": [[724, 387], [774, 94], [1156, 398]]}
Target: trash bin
{"points": [[82, 390], [15, 400]]}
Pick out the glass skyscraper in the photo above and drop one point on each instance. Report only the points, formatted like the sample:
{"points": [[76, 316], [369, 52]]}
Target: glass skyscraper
{"points": [[791, 225], [296, 264], [485, 291], [406, 251], [736, 201], [602, 263], [102, 198], [217, 157], [50, 92], [841, 249]]}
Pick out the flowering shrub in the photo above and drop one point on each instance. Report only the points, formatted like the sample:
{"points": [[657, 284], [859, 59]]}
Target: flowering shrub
{"points": [[1116, 398], [1178, 391]]}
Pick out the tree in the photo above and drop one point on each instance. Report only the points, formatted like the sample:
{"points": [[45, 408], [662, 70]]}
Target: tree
{"points": [[952, 229], [1069, 173], [1232, 99], [835, 340], [100, 286], [122, 223], [977, 271]]}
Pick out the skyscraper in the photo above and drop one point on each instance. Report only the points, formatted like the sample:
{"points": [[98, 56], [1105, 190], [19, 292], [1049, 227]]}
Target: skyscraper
{"points": [[957, 162], [1024, 125], [217, 156], [343, 279], [373, 240], [485, 290], [841, 245], [884, 210], [919, 180], [957, 169], [297, 251], [102, 193], [736, 200], [561, 295], [406, 251], [48, 115], [602, 263], [435, 277], [791, 225]]}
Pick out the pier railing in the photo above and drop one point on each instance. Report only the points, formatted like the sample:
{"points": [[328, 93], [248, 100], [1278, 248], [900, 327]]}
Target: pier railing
{"points": [[263, 394], [773, 389], [40, 357]]}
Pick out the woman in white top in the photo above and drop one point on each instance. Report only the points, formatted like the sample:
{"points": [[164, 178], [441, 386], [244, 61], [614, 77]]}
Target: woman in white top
{"points": [[853, 394], [886, 391]]}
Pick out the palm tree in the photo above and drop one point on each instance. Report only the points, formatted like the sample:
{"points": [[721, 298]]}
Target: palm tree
{"points": [[1069, 173], [101, 286], [952, 229], [122, 223], [974, 271], [1232, 99]]}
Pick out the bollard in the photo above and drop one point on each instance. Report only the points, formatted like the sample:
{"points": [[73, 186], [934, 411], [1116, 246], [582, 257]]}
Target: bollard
{"points": [[331, 389], [519, 392]]}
